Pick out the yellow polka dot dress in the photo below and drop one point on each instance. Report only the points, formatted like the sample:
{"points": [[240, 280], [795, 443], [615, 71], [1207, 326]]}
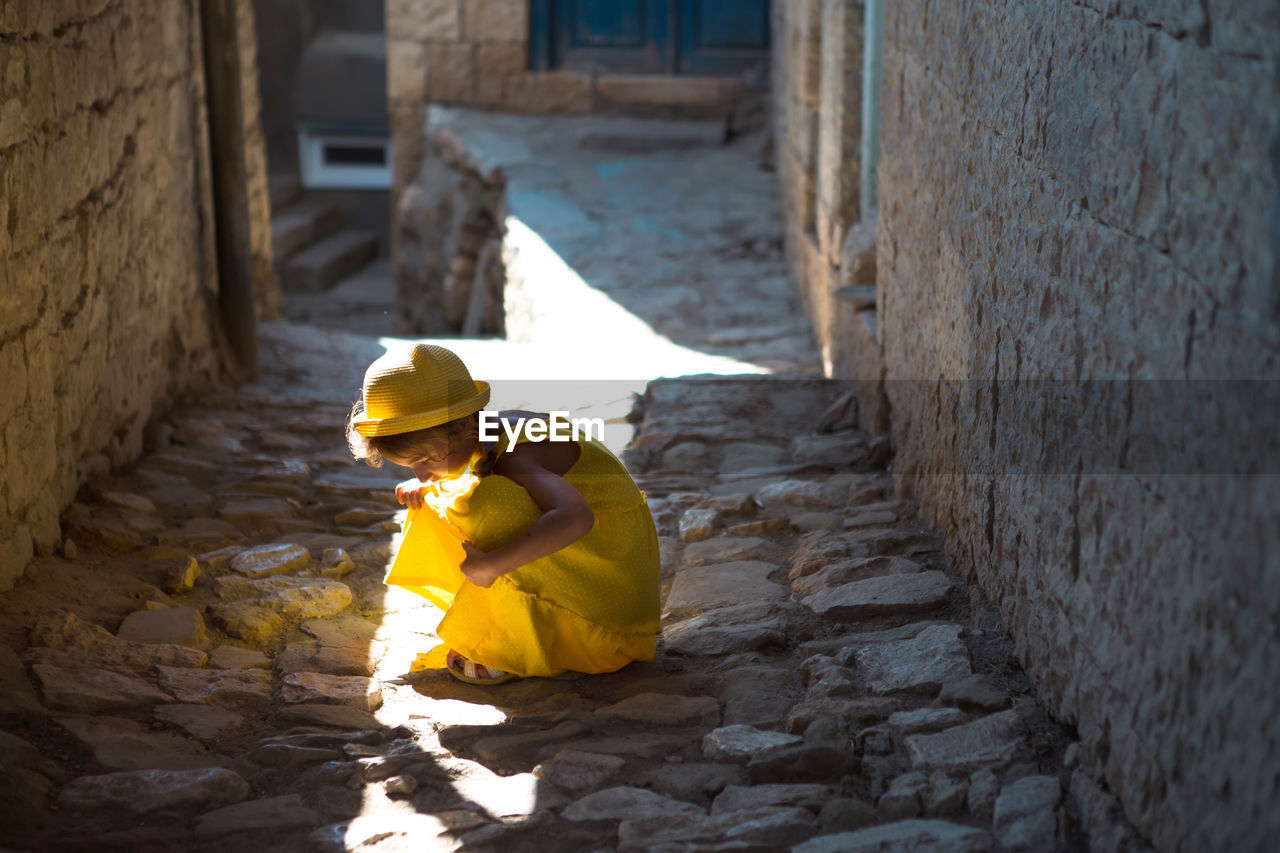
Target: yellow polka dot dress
{"points": [[592, 606]]}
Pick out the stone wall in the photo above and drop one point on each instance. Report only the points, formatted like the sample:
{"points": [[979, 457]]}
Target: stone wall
{"points": [[1070, 194], [817, 80], [1076, 200], [450, 273], [108, 287], [266, 286]]}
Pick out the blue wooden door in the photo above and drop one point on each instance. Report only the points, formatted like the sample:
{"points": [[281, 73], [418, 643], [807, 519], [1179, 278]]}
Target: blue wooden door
{"points": [[721, 36], [649, 36]]}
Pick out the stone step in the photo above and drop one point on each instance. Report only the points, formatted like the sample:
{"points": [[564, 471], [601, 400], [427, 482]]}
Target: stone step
{"points": [[329, 261], [284, 189], [298, 227]]}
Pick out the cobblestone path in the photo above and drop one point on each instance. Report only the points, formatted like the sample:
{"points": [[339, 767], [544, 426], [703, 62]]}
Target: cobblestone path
{"points": [[215, 664]]}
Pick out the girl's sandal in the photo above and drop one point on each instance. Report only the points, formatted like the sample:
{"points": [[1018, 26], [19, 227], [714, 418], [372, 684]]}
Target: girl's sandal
{"points": [[475, 673]]}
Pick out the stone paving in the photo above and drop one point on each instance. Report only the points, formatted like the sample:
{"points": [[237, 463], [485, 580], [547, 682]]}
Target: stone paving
{"points": [[213, 662]]}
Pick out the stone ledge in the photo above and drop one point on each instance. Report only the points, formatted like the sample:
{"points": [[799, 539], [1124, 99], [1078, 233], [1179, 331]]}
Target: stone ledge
{"points": [[667, 90]]}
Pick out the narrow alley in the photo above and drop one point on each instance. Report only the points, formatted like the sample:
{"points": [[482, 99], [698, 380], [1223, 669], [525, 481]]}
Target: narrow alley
{"points": [[214, 662], [940, 339]]}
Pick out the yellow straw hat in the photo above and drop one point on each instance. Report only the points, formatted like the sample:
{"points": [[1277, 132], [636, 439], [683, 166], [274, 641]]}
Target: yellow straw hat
{"points": [[418, 388]]}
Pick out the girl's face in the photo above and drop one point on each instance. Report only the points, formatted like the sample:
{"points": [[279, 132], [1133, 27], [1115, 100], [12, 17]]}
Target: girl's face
{"points": [[442, 460]]}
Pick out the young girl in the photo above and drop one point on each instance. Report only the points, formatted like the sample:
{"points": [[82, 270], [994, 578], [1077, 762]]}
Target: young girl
{"points": [[543, 555]]}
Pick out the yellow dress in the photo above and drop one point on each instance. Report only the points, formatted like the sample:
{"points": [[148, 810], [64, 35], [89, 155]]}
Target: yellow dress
{"points": [[592, 606]]}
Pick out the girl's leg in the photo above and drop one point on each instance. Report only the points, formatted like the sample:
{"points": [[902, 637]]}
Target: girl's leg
{"points": [[475, 673]]}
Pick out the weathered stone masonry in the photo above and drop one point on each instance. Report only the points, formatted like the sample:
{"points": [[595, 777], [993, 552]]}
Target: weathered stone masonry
{"points": [[1076, 191], [108, 283]]}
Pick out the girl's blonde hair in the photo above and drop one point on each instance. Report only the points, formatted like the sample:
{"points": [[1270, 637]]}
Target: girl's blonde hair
{"points": [[434, 442]]}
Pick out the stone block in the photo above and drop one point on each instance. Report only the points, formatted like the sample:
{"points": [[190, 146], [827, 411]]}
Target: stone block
{"points": [[721, 585], [574, 771], [724, 549], [806, 795], [493, 65], [205, 722], [293, 598], [694, 781], [495, 21], [264, 560], [16, 695], [626, 803], [449, 79], [406, 72], [820, 551], [911, 593], [423, 20], [182, 626], [863, 712], [989, 742], [249, 621], [975, 693], [904, 835], [272, 813], [120, 744], [89, 690], [332, 716], [724, 630], [698, 523], [927, 719], [741, 743], [312, 687], [664, 710], [550, 92], [984, 787], [921, 664], [904, 798], [758, 696], [858, 258], [247, 688], [313, 656], [137, 792], [847, 571], [662, 90], [318, 267], [769, 828], [1026, 814]]}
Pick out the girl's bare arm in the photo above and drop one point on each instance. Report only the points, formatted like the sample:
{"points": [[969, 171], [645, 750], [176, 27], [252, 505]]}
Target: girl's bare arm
{"points": [[566, 518]]}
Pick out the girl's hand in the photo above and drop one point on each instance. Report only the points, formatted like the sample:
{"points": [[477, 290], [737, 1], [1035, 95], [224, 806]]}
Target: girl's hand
{"points": [[409, 493], [479, 567]]}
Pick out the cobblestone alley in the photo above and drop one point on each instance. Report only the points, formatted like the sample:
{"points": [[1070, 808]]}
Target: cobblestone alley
{"points": [[214, 663], [218, 665], [942, 339]]}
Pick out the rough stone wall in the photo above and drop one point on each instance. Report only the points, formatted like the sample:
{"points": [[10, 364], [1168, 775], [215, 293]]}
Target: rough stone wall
{"points": [[1079, 191], [817, 96], [266, 286], [107, 279], [794, 78], [450, 273]]}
